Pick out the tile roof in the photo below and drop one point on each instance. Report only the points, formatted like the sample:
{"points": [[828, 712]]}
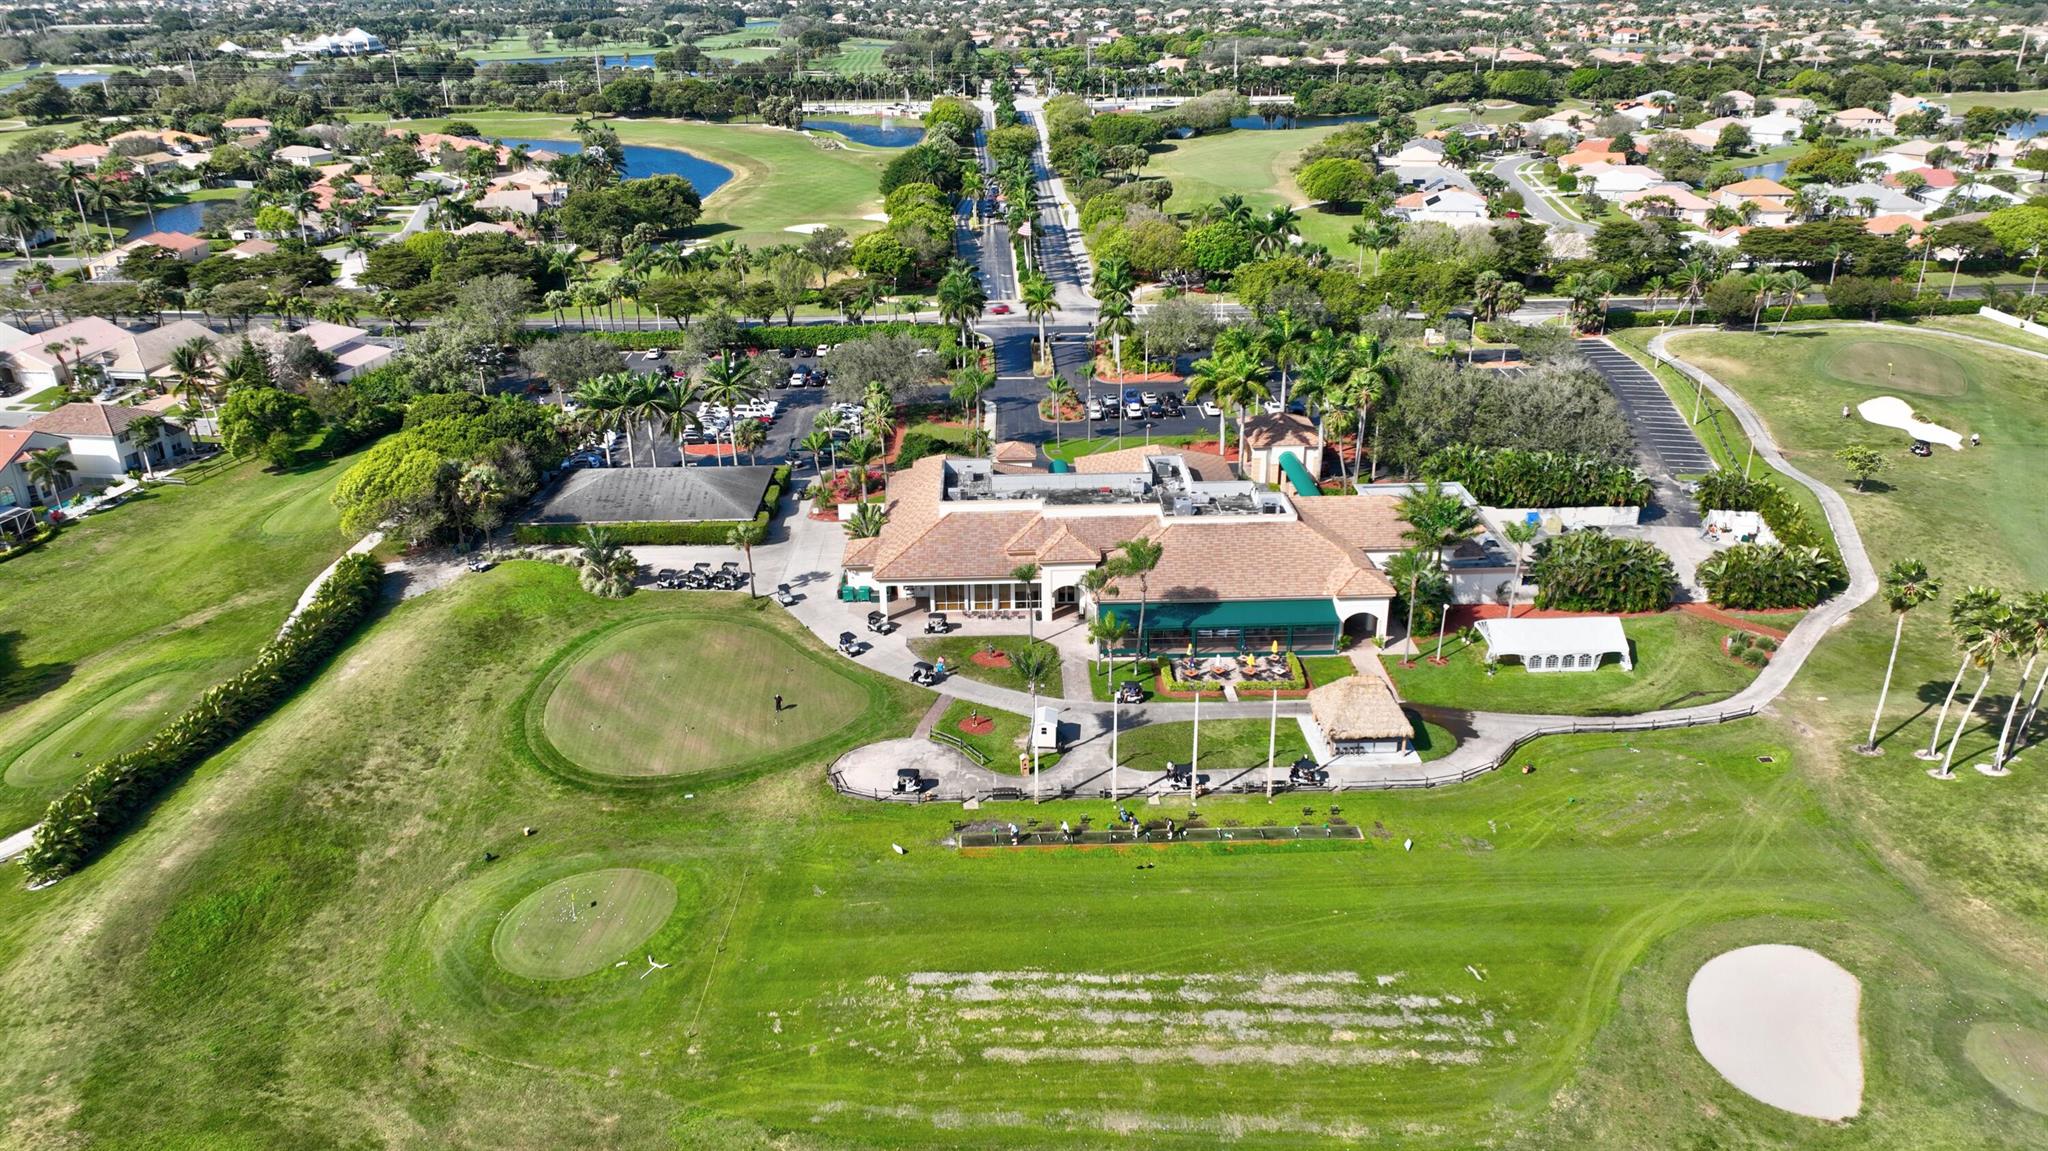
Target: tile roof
{"points": [[1201, 465], [86, 420], [1265, 431]]}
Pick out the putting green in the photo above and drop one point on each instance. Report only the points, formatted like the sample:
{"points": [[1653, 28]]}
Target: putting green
{"points": [[1897, 366], [2013, 1059], [120, 720], [682, 696], [578, 925]]}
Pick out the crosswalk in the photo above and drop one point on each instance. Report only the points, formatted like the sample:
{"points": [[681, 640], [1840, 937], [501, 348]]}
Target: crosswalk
{"points": [[1662, 432]]}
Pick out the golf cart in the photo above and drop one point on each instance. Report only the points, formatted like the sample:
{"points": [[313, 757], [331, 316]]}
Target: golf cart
{"points": [[480, 564], [880, 624], [923, 674], [1307, 773], [1130, 691], [909, 781], [1922, 448], [784, 596], [935, 624], [848, 646]]}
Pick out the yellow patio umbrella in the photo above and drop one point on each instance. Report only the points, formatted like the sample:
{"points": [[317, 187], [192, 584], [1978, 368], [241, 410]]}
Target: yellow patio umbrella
{"points": [[1276, 647]]}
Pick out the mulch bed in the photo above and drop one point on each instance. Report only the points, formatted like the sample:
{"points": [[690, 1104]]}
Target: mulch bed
{"points": [[976, 725], [996, 659]]}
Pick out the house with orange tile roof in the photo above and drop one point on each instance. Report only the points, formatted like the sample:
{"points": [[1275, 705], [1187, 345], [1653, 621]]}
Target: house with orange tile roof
{"points": [[1241, 567]]}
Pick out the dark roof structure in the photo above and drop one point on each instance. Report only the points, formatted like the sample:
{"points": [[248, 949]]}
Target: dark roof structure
{"points": [[654, 495]]}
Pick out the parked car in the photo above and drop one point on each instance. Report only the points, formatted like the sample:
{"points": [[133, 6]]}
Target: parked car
{"points": [[651, 355], [1094, 408], [999, 309], [1210, 409]]}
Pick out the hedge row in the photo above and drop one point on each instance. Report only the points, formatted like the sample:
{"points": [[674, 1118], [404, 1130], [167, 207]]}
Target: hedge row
{"points": [[706, 532], [786, 336], [44, 534], [86, 819], [1620, 318], [1787, 518]]}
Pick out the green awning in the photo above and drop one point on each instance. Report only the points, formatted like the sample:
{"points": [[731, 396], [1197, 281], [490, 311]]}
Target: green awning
{"points": [[1061, 467], [1231, 614], [1295, 470]]}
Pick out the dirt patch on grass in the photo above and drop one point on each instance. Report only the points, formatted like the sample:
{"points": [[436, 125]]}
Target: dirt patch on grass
{"points": [[995, 659], [976, 725]]}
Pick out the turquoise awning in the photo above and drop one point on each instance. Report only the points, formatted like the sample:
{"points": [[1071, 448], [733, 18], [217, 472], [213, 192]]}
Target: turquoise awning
{"points": [[1061, 467], [1230, 614], [1295, 470]]}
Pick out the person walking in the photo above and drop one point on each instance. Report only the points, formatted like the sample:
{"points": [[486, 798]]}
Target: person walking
{"points": [[778, 701]]}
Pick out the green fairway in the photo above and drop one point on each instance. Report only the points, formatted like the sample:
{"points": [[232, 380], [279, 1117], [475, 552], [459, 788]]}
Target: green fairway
{"points": [[127, 616], [582, 923], [1256, 165], [1499, 963], [687, 696], [1678, 663], [781, 179], [1974, 518]]}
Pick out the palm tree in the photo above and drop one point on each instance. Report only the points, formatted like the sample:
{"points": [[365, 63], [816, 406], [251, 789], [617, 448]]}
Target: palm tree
{"points": [[142, 431], [1791, 285], [1375, 236], [818, 442], [1137, 558], [603, 399], [866, 522], [191, 365], [1996, 636], [728, 382], [1435, 518], [1109, 632], [1691, 281], [1965, 620], [970, 384], [22, 219], [1036, 292], [1372, 378], [748, 436], [605, 568], [1221, 377], [1035, 663], [744, 536], [1520, 533], [961, 298], [1281, 338], [1113, 322], [860, 451], [1028, 574], [2030, 619], [1060, 391], [50, 469], [1906, 586]]}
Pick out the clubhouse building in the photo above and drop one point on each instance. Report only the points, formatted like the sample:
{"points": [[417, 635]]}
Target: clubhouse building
{"points": [[1241, 567]]}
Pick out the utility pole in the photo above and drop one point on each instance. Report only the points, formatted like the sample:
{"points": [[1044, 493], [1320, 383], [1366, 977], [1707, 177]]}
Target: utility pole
{"points": [[1272, 741], [1761, 46]]}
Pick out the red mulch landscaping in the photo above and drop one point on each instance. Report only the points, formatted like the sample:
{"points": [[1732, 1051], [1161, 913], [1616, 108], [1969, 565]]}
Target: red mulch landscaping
{"points": [[976, 725], [991, 658]]}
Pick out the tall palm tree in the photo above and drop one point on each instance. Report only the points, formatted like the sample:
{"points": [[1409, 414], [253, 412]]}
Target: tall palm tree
{"points": [[1520, 533], [1035, 663], [1028, 574], [1906, 586], [1036, 292], [970, 384], [142, 431], [1691, 281], [1060, 391], [744, 536], [22, 219], [1997, 636], [1966, 616], [728, 382], [818, 442], [1791, 286], [1435, 518], [602, 400], [1137, 559], [1113, 322], [859, 452], [192, 367], [2030, 621], [961, 298], [748, 436], [1372, 379], [1226, 379], [680, 409]]}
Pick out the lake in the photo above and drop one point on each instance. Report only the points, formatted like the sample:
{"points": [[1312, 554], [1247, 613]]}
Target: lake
{"points": [[636, 60], [643, 161], [185, 218], [67, 80], [2029, 129], [887, 134], [1775, 170], [1258, 123]]}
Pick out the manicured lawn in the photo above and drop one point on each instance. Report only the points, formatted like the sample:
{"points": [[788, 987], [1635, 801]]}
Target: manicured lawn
{"points": [[1983, 329], [1229, 748], [1974, 518], [672, 697], [958, 652], [1256, 165], [1678, 663], [1440, 116], [1074, 449], [780, 178], [2033, 100], [128, 615], [1000, 745], [1324, 669], [302, 945]]}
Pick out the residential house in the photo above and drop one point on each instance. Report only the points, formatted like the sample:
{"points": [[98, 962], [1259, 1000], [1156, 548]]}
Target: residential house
{"points": [[1863, 122], [1756, 188], [1667, 201], [1774, 130], [1420, 151], [76, 156], [100, 441], [247, 126], [48, 358], [1615, 180], [16, 489], [107, 265], [303, 155], [350, 347], [250, 249], [1447, 205]]}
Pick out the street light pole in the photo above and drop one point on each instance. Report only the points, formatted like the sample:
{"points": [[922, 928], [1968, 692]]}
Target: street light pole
{"points": [[1272, 743], [1195, 754]]}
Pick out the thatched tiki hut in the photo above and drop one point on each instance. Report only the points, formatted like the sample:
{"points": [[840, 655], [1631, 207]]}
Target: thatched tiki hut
{"points": [[1359, 715]]}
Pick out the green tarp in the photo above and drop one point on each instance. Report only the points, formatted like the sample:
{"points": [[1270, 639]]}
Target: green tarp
{"points": [[1233, 614], [1296, 471]]}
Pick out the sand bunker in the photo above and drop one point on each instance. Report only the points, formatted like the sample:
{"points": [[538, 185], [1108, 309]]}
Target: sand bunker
{"points": [[1780, 1023], [1893, 412], [806, 229]]}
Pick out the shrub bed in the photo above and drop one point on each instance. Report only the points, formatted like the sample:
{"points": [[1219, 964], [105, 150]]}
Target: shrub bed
{"points": [[86, 819], [1758, 576], [1514, 478]]}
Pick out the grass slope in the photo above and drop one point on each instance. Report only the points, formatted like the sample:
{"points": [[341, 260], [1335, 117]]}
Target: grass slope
{"points": [[127, 616], [302, 937], [780, 179]]}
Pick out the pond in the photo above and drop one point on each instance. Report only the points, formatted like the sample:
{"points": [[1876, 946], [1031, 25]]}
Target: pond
{"points": [[67, 80], [890, 133], [1775, 170], [643, 161], [184, 218]]}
